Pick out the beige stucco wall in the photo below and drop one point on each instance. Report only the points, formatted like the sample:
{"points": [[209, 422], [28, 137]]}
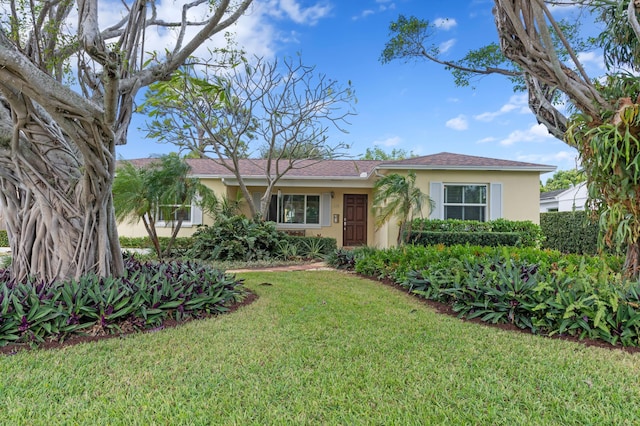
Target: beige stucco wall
{"points": [[520, 190], [335, 229], [520, 201], [520, 195], [127, 229]]}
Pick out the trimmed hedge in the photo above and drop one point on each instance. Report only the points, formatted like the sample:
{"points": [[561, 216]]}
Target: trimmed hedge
{"points": [[529, 234], [490, 239], [570, 232]]}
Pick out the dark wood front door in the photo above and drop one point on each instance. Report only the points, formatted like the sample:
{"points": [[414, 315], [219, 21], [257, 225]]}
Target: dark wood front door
{"points": [[354, 226]]}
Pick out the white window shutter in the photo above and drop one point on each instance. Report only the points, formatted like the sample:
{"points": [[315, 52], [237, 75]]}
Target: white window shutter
{"points": [[196, 214], [325, 209], [435, 193], [495, 203]]}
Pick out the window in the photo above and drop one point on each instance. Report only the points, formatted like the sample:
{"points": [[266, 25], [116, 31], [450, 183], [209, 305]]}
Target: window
{"points": [[295, 209], [173, 213], [465, 202]]}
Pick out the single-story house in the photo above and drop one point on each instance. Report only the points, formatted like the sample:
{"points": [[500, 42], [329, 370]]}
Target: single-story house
{"points": [[333, 198], [564, 200]]}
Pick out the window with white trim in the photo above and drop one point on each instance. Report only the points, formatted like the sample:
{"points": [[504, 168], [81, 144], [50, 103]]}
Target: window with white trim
{"points": [[465, 202], [295, 209], [173, 213]]}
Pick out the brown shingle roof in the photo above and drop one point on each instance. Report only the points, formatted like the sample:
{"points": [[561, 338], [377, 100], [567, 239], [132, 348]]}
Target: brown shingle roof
{"points": [[303, 169], [447, 160], [353, 169]]}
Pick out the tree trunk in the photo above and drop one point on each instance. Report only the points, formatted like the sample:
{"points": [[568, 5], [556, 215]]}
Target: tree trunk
{"points": [[57, 203], [632, 261], [57, 236]]}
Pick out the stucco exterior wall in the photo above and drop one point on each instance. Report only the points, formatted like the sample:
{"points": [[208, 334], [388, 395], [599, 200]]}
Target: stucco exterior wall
{"points": [[334, 230], [127, 229], [519, 201], [520, 190]]}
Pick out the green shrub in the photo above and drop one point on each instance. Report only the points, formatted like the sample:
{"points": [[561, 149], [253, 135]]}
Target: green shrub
{"points": [[545, 291], [491, 239], [4, 238], [311, 247], [570, 232], [149, 293], [530, 234], [236, 238]]}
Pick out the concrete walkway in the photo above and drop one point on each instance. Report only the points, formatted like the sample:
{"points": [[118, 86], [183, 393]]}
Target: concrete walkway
{"points": [[315, 266]]}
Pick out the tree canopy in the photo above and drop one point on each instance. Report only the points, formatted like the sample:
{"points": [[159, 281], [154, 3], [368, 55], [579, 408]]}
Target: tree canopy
{"points": [[540, 53], [563, 179], [279, 110]]}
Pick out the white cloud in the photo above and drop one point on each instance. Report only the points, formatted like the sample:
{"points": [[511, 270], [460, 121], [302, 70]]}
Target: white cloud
{"points": [[592, 58], [384, 5], [445, 46], [445, 23], [487, 139], [458, 123], [309, 16], [516, 103], [392, 141], [536, 133]]}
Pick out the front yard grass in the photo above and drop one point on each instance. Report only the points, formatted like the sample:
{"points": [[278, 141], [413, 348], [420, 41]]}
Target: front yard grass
{"points": [[323, 347]]}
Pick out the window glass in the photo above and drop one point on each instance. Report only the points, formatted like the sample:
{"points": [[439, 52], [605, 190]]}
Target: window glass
{"points": [[465, 202], [313, 209], [295, 208], [453, 193], [174, 213]]}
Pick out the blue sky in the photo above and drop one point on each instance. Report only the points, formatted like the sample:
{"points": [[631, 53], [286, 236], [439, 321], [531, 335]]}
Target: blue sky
{"points": [[411, 106]]}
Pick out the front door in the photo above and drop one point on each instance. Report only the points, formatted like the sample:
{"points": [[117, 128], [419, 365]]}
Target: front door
{"points": [[354, 226]]}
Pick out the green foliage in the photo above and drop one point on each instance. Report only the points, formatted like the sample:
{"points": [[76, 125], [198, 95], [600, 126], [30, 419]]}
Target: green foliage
{"points": [[563, 179], [4, 239], [377, 153], [162, 189], [236, 238], [411, 38], [544, 291], [610, 154], [311, 247], [530, 234], [395, 195], [147, 294], [492, 239], [346, 259], [570, 232]]}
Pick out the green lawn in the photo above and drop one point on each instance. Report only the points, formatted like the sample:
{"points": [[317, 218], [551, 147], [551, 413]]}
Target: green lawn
{"points": [[323, 347]]}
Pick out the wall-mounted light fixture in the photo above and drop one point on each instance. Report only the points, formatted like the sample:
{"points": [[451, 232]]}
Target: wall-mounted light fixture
{"points": [[336, 218], [332, 194]]}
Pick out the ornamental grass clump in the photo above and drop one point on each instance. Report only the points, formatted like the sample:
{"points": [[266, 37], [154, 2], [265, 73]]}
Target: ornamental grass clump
{"points": [[146, 295]]}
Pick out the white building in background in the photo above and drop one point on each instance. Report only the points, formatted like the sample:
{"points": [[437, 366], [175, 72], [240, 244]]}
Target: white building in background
{"points": [[564, 200]]}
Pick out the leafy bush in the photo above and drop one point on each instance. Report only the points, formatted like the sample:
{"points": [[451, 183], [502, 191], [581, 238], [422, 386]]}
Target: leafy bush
{"points": [[346, 259], [4, 238], [491, 239], [311, 247], [570, 232], [236, 238], [545, 291], [530, 234], [146, 295]]}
